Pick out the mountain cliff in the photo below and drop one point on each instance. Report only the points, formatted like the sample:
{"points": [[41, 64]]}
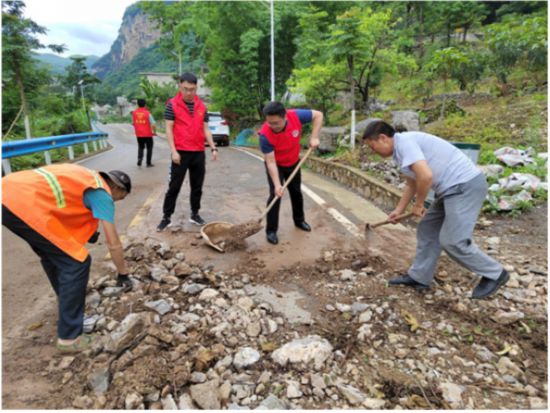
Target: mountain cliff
{"points": [[136, 33]]}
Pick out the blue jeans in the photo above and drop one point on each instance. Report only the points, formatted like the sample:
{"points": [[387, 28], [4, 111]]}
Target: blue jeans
{"points": [[68, 277]]}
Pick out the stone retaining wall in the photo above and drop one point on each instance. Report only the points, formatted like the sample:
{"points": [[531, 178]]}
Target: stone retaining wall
{"points": [[376, 191]]}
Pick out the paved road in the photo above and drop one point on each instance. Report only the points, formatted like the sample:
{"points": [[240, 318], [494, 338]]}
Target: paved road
{"points": [[235, 190]]}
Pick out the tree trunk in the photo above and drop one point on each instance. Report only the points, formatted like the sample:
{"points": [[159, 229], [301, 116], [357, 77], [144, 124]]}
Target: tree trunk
{"points": [[448, 34], [420, 31]]}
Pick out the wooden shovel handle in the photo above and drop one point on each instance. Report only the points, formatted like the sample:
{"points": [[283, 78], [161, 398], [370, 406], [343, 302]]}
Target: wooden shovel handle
{"points": [[294, 172], [398, 218]]}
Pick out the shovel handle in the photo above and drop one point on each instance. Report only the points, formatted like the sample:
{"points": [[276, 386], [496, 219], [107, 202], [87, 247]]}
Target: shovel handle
{"points": [[398, 218], [294, 172]]}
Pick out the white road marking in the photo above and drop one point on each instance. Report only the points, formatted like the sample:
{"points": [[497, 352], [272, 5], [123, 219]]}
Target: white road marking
{"points": [[346, 223]]}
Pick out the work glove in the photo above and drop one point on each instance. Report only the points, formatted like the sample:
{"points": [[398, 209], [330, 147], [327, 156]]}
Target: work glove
{"points": [[93, 239], [124, 281]]}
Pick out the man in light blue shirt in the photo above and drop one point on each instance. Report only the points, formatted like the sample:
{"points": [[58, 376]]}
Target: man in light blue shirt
{"points": [[429, 162]]}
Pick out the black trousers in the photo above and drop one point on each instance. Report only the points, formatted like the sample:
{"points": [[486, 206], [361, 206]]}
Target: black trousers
{"points": [[142, 143], [195, 163], [67, 276], [296, 198]]}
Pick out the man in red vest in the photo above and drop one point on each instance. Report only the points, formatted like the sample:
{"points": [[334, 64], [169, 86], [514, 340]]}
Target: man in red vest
{"points": [[145, 128], [186, 121], [56, 209], [280, 143]]}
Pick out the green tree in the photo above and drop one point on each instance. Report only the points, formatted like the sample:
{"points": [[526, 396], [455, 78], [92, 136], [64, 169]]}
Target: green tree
{"points": [[518, 41], [316, 83], [463, 65], [363, 40], [19, 39]]}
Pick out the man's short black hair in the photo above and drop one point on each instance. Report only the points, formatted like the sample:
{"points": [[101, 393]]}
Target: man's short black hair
{"points": [[189, 78], [374, 129], [274, 108], [141, 103]]}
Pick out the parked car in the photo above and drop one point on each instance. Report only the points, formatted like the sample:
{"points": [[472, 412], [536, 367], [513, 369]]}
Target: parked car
{"points": [[218, 126]]}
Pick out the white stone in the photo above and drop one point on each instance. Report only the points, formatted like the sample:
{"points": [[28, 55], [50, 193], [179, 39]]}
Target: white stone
{"points": [[365, 317], [374, 404], [507, 317], [186, 403], [168, 403], [245, 357], [293, 390], [352, 395], [452, 393], [208, 294], [305, 350]]}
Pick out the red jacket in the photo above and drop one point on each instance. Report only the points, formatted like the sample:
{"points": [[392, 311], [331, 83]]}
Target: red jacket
{"points": [[188, 130], [286, 144], [142, 124]]}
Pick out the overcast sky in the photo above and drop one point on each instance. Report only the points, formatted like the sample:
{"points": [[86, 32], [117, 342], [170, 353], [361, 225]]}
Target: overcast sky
{"points": [[86, 27]]}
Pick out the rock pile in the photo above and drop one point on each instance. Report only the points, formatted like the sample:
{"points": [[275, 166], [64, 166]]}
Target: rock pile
{"points": [[189, 337]]}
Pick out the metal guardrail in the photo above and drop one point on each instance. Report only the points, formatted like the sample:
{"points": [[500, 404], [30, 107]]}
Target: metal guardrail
{"points": [[12, 149]]}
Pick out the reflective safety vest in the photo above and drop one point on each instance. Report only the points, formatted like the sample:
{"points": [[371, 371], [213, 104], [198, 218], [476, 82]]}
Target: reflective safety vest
{"points": [[286, 144], [188, 130], [142, 124], [50, 200]]}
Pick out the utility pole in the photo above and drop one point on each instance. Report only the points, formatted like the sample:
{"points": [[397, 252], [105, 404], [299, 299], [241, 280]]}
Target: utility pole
{"points": [[272, 53], [178, 55], [80, 83]]}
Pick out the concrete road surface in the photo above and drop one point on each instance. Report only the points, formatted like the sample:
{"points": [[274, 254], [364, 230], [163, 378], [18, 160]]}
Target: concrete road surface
{"points": [[235, 190]]}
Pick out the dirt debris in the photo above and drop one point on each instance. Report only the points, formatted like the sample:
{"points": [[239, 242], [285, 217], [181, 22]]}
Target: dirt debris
{"points": [[200, 324]]}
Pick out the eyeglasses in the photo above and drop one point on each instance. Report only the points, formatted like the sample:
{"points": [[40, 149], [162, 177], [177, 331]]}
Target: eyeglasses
{"points": [[189, 89]]}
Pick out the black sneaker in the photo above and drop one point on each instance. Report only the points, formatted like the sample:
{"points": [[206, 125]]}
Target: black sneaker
{"points": [[138, 163], [163, 224], [196, 219]]}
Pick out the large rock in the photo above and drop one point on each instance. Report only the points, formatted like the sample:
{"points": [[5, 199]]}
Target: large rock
{"points": [[129, 330], [305, 350], [405, 120], [362, 125], [329, 137], [206, 395]]}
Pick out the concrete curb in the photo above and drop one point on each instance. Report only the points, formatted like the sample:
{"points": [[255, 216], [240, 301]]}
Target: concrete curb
{"points": [[368, 187]]}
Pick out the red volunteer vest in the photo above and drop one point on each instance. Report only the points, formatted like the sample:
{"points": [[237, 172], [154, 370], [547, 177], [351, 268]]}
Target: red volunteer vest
{"points": [[142, 125], [50, 200], [188, 130], [286, 143]]}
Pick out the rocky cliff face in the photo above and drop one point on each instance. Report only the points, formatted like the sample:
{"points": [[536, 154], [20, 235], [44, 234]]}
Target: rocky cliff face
{"points": [[136, 32]]}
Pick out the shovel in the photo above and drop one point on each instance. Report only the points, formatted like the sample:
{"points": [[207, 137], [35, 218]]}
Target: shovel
{"points": [[370, 227], [219, 234]]}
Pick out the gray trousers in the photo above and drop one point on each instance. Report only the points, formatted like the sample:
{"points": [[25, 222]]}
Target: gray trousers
{"points": [[448, 225]]}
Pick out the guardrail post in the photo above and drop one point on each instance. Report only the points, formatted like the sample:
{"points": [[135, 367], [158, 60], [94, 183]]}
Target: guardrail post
{"points": [[71, 153], [48, 157], [94, 146], [6, 166], [86, 150]]}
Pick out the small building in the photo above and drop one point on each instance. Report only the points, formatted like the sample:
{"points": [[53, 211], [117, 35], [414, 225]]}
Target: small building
{"points": [[170, 78]]}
